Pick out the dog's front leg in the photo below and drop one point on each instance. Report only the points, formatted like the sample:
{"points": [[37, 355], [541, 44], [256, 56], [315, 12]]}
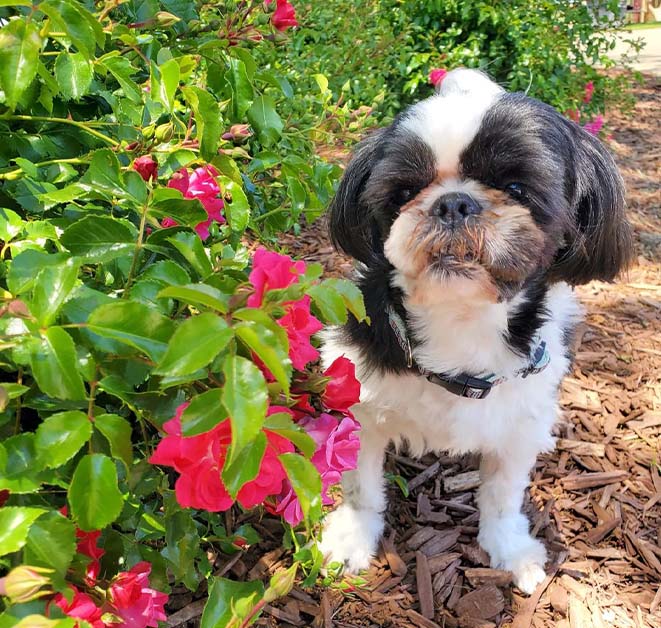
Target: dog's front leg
{"points": [[351, 533], [503, 527]]}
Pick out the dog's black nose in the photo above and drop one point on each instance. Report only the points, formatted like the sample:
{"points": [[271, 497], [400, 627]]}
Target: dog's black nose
{"points": [[455, 207]]}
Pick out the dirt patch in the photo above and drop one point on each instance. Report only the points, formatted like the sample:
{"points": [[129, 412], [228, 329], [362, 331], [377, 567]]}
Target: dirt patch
{"points": [[596, 500]]}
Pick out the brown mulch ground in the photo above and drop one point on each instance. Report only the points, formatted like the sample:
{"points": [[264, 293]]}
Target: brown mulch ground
{"points": [[596, 499]]}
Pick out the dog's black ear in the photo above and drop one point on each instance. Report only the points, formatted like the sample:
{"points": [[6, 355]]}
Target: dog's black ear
{"points": [[352, 228], [599, 243]]}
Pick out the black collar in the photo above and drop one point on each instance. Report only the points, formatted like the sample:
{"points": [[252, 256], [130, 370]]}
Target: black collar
{"points": [[463, 384]]}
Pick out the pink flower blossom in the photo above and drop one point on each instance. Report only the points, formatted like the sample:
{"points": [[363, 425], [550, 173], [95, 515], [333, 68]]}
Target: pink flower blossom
{"points": [[300, 325], [284, 15], [82, 606], [436, 76], [343, 390], [132, 599], [200, 459], [146, 167], [589, 89], [271, 271], [203, 186], [594, 126]]}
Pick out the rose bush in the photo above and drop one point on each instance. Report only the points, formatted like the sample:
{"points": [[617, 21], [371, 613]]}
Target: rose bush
{"points": [[158, 364]]}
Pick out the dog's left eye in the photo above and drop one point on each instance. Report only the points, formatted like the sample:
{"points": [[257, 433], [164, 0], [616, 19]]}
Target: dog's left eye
{"points": [[516, 190], [404, 195]]}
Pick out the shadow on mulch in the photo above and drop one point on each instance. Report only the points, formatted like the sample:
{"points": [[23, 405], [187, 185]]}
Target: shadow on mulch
{"points": [[595, 500]]}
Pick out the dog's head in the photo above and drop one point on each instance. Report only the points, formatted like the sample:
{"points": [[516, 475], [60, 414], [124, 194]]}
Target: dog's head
{"points": [[478, 183]]}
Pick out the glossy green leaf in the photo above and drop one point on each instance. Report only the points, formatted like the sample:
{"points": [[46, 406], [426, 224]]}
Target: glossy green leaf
{"points": [[203, 413], [104, 177], [60, 437], [229, 600], [199, 294], [21, 473], [270, 349], [77, 22], [51, 542], [164, 82], [240, 89], [208, 120], [188, 212], [196, 342], [20, 43], [306, 483], [54, 365], [330, 303], [190, 246], [121, 68], [74, 74], [167, 272], [283, 424], [94, 498], [52, 287], [26, 266], [353, 297], [10, 224], [237, 209], [265, 120], [246, 399], [98, 239], [133, 324], [245, 466], [117, 432], [15, 524]]}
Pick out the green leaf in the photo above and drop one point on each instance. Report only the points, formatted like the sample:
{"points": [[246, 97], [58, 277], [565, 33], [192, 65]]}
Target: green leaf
{"points": [[208, 120], [51, 289], [246, 399], [51, 542], [190, 246], [270, 349], [265, 120], [167, 272], [103, 177], [26, 266], [198, 294], [82, 28], [74, 74], [283, 424], [241, 91], [330, 302], [117, 431], [188, 212], [14, 527], [238, 209], [133, 324], [229, 599], [21, 471], [11, 224], [93, 495], [164, 82], [353, 297], [245, 466], [121, 68], [98, 239], [203, 413], [196, 342], [60, 437], [306, 483], [54, 365], [20, 43]]}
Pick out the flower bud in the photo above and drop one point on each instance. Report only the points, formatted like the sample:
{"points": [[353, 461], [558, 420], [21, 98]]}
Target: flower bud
{"points": [[24, 583], [148, 131], [281, 584], [165, 19], [164, 132]]}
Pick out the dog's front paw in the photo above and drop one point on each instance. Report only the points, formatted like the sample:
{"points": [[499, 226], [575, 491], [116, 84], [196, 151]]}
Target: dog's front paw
{"points": [[351, 537], [519, 553]]}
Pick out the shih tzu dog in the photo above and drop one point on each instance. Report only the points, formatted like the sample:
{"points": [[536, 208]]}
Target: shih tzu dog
{"points": [[470, 217]]}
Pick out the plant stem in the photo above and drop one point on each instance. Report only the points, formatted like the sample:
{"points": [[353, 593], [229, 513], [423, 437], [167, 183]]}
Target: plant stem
{"points": [[80, 125], [138, 249], [253, 613], [19, 172]]}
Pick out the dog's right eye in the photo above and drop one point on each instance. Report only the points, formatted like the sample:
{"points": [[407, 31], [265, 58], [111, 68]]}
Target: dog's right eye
{"points": [[404, 195]]}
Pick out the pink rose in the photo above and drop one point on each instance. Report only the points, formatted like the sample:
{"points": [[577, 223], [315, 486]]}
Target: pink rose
{"points": [[300, 325], [138, 605], [589, 89], [436, 76], [272, 271], [594, 126], [146, 167], [284, 15], [82, 606]]}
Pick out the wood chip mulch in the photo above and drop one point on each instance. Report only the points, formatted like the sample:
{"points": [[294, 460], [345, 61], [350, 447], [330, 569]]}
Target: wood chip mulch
{"points": [[595, 500]]}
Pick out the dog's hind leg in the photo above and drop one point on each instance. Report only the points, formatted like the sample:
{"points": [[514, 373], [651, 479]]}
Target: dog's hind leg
{"points": [[351, 533]]}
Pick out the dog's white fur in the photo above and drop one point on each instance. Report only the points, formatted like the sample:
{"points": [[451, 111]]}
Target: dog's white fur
{"points": [[463, 330]]}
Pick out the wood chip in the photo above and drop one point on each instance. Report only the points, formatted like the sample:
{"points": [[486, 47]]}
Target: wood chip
{"points": [[462, 482], [395, 562], [483, 575], [442, 541], [420, 537], [582, 448], [484, 602], [420, 621], [442, 561], [580, 481], [423, 582], [427, 474], [579, 614]]}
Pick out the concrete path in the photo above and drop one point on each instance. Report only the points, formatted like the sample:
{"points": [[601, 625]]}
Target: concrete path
{"points": [[650, 56]]}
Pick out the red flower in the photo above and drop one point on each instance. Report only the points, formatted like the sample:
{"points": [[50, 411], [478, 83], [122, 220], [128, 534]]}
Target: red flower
{"points": [[343, 390], [594, 126], [146, 167], [573, 114], [87, 545], [134, 601], [436, 76], [284, 15], [589, 89], [299, 324], [203, 186], [200, 459], [271, 271], [82, 606]]}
